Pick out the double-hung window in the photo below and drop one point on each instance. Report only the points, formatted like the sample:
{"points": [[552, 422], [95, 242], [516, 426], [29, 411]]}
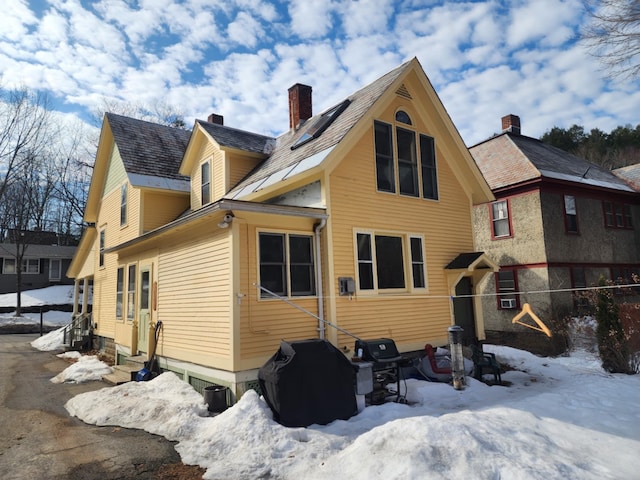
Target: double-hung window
{"points": [[579, 281], [55, 269], [131, 293], [381, 261], [617, 215], [29, 266], [402, 163], [119, 292], [570, 214], [507, 286], [407, 162], [500, 219], [287, 264], [101, 248], [205, 185], [9, 266], [123, 204]]}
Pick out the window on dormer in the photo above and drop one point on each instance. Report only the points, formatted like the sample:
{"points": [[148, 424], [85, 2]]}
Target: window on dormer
{"points": [[205, 185]]}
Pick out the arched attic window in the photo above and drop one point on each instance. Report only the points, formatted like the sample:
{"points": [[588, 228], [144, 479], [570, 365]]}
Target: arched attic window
{"points": [[403, 117]]}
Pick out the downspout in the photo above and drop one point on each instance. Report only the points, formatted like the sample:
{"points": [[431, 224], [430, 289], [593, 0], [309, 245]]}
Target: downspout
{"points": [[317, 228]]}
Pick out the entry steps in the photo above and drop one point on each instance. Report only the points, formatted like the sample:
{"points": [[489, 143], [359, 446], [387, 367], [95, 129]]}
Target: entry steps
{"points": [[126, 372]]}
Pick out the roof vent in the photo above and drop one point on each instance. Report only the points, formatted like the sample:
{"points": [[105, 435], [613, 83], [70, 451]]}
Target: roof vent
{"points": [[511, 124], [404, 92]]}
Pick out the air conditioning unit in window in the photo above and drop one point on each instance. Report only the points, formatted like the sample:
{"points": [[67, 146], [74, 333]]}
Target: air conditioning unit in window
{"points": [[507, 303]]}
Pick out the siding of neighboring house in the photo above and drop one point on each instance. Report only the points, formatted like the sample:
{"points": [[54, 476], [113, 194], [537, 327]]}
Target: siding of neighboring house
{"points": [[44, 255], [546, 259]]}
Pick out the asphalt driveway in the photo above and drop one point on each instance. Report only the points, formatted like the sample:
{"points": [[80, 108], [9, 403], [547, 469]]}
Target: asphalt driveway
{"points": [[39, 440]]}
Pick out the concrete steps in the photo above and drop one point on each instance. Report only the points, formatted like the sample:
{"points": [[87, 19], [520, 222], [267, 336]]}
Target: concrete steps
{"points": [[126, 372]]}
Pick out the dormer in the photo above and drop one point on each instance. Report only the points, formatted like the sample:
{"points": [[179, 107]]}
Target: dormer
{"points": [[218, 157]]}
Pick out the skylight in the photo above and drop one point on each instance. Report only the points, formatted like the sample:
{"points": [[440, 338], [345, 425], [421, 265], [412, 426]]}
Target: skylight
{"points": [[320, 124]]}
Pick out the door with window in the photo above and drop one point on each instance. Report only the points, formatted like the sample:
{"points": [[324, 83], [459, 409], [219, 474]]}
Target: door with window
{"points": [[463, 310], [144, 312]]}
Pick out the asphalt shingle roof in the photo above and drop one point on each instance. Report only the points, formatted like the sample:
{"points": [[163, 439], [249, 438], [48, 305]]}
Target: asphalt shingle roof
{"points": [[240, 139], [149, 148], [631, 175], [283, 156], [508, 159]]}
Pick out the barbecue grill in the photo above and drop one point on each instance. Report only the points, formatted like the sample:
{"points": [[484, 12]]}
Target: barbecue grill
{"points": [[384, 355]]}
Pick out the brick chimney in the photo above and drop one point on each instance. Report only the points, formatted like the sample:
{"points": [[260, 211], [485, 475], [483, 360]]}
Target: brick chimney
{"points": [[300, 105], [215, 118], [511, 124]]}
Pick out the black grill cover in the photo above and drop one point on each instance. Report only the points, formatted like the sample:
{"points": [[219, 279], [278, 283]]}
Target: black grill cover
{"points": [[308, 382]]}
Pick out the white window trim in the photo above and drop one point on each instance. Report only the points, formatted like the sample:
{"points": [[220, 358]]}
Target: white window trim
{"points": [[13, 266], [208, 162], [395, 124], [286, 234], [124, 205], [58, 273], [407, 262]]}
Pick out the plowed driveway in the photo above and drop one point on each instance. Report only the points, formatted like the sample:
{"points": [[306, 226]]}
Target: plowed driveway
{"points": [[39, 440]]}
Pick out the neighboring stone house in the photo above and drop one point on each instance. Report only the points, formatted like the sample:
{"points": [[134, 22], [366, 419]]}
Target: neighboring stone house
{"points": [[558, 223], [44, 263]]}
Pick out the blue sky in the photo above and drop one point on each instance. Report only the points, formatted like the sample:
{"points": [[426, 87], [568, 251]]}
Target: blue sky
{"points": [[237, 58]]}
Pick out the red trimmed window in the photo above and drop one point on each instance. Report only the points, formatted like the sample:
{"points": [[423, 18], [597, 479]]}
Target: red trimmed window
{"points": [[570, 214], [506, 287], [617, 215], [500, 219]]}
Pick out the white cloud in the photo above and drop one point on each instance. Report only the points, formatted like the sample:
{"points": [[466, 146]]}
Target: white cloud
{"points": [[238, 57], [245, 30], [16, 19], [311, 18], [366, 17], [542, 20]]}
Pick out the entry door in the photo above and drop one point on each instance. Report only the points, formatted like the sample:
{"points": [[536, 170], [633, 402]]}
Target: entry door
{"points": [[144, 315], [463, 310]]}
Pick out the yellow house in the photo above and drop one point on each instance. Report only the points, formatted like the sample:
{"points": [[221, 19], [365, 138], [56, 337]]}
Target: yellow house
{"points": [[358, 218]]}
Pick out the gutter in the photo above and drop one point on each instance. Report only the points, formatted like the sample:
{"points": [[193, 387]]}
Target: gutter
{"points": [[224, 205], [317, 230]]}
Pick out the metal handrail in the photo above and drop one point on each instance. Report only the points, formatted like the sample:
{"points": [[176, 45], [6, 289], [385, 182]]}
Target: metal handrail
{"points": [[77, 328]]}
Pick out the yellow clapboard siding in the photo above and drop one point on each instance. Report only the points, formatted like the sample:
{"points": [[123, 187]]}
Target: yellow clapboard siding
{"points": [[194, 291], [160, 209], [445, 226]]}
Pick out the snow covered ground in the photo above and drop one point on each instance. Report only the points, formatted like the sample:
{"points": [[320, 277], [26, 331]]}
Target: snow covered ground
{"points": [[57, 295], [559, 418]]}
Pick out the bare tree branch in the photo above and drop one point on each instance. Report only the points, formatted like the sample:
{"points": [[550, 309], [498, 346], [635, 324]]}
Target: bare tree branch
{"points": [[613, 35]]}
